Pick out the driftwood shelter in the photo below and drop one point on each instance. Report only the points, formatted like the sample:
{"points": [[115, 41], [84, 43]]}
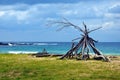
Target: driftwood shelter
{"points": [[82, 48]]}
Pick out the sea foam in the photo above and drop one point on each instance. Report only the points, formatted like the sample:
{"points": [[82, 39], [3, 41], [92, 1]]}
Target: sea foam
{"points": [[44, 43], [22, 52]]}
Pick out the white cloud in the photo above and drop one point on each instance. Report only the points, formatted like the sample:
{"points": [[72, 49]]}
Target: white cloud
{"points": [[48, 10], [112, 16], [113, 11], [111, 26], [2, 13], [115, 8], [39, 13], [28, 18], [12, 14], [108, 25]]}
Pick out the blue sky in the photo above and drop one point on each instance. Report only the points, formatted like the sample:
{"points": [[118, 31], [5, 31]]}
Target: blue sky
{"points": [[25, 20]]}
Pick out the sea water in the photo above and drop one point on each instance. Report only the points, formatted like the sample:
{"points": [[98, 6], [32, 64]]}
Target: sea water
{"points": [[108, 48]]}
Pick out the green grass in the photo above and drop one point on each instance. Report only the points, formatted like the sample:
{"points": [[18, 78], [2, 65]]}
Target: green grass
{"points": [[26, 67]]}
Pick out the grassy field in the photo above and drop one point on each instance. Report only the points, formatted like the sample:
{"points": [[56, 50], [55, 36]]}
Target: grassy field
{"points": [[26, 67]]}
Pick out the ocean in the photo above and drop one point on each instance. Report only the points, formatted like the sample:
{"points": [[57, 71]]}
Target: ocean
{"points": [[107, 48]]}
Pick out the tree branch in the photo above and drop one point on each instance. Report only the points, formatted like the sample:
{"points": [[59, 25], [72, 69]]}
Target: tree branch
{"points": [[66, 23], [76, 38], [94, 29]]}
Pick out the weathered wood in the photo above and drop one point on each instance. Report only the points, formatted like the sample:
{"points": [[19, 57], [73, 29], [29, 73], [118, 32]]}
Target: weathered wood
{"points": [[96, 51], [76, 39], [99, 53], [73, 49], [94, 29], [84, 43]]}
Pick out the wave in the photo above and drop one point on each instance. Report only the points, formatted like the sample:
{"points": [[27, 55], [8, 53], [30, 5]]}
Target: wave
{"points": [[22, 52], [45, 44], [27, 43]]}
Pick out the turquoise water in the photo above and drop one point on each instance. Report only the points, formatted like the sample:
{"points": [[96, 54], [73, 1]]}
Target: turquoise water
{"points": [[112, 48]]}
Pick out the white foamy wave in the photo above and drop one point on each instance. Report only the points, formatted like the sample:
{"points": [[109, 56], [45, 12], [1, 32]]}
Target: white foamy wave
{"points": [[22, 52], [53, 44], [44, 43]]}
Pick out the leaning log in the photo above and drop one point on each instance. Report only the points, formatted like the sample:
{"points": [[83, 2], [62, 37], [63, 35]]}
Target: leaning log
{"points": [[99, 54], [73, 49]]}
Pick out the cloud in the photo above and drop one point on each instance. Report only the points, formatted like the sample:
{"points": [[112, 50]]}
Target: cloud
{"points": [[16, 12], [113, 12], [49, 10], [108, 25], [38, 1], [2, 13], [20, 7], [115, 9], [112, 16], [38, 14], [31, 19]]}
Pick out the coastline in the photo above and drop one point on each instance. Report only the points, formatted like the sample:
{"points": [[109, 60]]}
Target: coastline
{"points": [[35, 52], [51, 55]]}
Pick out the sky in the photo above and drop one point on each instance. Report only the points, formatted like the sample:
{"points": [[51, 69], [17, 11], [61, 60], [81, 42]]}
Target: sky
{"points": [[26, 20]]}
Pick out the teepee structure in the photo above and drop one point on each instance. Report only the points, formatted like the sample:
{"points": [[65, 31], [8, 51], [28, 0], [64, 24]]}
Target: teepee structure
{"points": [[82, 48]]}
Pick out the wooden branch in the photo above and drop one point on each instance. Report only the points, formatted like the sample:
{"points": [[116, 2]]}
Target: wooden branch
{"points": [[94, 29], [76, 27], [83, 47], [85, 26], [62, 27], [73, 49], [92, 40], [88, 50], [96, 51], [76, 38], [65, 23]]}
